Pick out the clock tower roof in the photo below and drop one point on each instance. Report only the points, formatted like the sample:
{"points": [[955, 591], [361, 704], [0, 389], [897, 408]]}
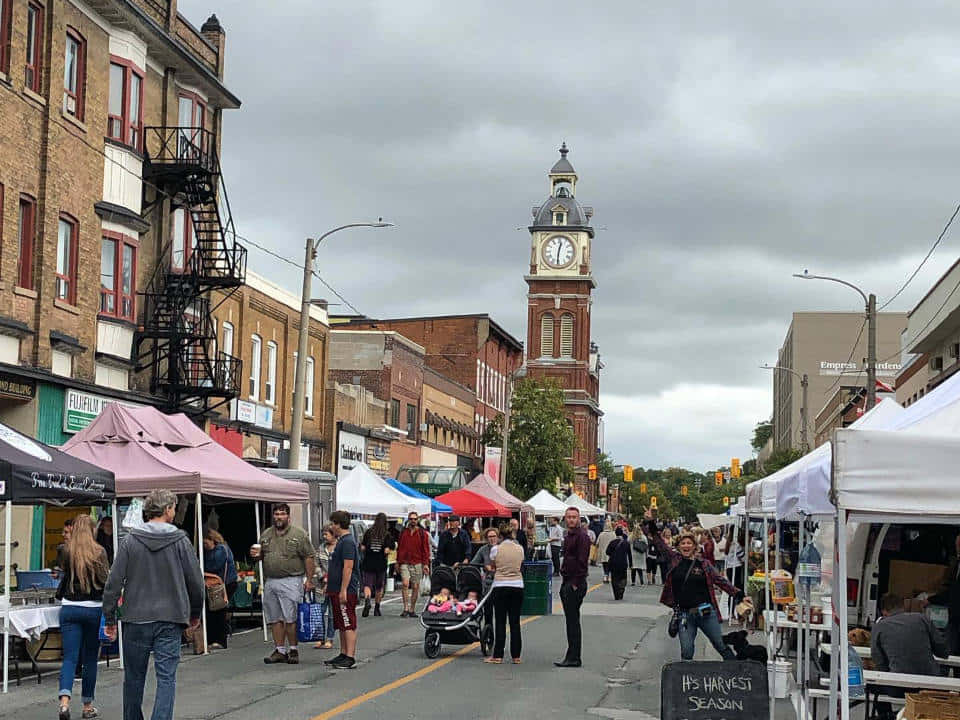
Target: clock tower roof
{"points": [[563, 166], [562, 205]]}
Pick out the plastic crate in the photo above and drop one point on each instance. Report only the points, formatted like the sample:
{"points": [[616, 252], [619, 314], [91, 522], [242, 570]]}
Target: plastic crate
{"points": [[27, 579]]}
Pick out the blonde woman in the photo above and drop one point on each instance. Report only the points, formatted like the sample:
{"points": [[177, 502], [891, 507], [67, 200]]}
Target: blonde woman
{"points": [[80, 592], [327, 545]]}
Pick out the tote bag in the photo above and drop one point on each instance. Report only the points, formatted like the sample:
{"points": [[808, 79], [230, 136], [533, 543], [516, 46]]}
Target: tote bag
{"points": [[309, 619]]}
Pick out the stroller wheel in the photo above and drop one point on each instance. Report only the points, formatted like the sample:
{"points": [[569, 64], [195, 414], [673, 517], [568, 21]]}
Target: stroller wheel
{"points": [[431, 644], [486, 640]]}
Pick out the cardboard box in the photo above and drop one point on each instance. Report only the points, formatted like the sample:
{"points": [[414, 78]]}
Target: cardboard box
{"points": [[909, 579]]}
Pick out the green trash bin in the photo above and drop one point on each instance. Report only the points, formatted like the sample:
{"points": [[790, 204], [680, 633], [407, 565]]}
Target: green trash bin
{"points": [[537, 588]]}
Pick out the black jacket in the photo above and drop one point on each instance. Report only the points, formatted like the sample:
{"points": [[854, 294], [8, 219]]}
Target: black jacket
{"points": [[452, 549]]}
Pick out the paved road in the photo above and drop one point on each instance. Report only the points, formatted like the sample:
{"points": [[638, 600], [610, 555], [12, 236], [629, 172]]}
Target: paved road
{"points": [[625, 645]]}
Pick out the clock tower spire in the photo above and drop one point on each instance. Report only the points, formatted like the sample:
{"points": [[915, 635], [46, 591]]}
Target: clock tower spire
{"points": [[560, 286]]}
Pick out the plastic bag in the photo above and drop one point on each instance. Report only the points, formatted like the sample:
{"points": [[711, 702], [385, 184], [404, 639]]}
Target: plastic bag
{"points": [[309, 619], [425, 586]]}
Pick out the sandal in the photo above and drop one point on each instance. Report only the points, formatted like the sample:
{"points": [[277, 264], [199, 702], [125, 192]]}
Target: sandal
{"points": [[493, 660], [328, 645], [91, 713], [516, 661], [64, 711]]}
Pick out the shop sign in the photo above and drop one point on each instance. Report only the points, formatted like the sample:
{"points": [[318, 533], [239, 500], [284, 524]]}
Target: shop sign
{"points": [[491, 463], [243, 411], [887, 369], [350, 450], [273, 451], [80, 409], [264, 417], [12, 386]]}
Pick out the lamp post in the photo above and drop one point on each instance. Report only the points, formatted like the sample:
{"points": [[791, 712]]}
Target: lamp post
{"points": [[804, 383], [300, 368], [520, 372], [870, 303]]}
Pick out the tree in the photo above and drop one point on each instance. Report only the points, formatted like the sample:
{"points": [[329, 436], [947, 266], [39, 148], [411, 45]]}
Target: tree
{"points": [[780, 459], [605, 468], [493, 433], [761, 433], [541, 439]]}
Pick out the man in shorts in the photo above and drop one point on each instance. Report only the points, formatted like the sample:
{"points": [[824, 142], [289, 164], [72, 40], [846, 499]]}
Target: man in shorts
{"points": [[288, 568], [413, 556], [343, 588]]}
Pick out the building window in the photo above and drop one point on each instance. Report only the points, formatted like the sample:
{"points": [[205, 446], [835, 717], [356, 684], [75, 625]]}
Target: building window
{"points": [[118, 273], [181, 247], [559, 218], [566, 335], [61, 363], [68, 232], [33, 67], [308, 388], [270, 392], [411, 422], [227, 338], [113, 377], [395, 413], [125, 106], [255, 347], [74, 74], [546, 336], [26, 233], [6, 21]]}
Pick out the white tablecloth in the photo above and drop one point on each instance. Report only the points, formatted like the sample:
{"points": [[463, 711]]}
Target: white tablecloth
{"points": [[30, 621]]}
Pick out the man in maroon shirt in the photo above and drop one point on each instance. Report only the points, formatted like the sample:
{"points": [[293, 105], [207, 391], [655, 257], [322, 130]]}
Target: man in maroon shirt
{"points": [[576, 562], [413, 557]]}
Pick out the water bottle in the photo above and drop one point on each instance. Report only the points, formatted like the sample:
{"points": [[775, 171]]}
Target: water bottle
{"points": [[854, 673], [808, 572]]}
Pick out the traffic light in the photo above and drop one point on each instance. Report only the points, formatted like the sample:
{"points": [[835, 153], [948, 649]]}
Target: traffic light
{"points": [[643, 488], [628, 473], [726, 500], [735, 467], [683, 490], [653, 502], [591, 472], [718, 478]]}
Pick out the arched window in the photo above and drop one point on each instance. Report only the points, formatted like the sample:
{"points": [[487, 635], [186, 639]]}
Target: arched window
{"points": [[546, 335], [566, 335]]}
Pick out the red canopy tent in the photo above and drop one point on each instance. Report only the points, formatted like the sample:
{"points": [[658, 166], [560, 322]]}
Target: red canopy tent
{"points": [[469, 504], [490, 489]]}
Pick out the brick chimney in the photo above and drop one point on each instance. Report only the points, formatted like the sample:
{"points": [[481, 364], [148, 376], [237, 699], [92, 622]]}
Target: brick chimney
{"points": [[214, 34]]}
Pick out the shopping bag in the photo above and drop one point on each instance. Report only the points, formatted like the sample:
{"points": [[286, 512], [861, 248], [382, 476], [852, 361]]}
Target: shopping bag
{"points": [[110, 647], [309, 619], [425, 586]]}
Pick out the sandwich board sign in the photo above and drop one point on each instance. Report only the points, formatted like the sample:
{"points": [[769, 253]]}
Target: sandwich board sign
{"points": [[715, 690]]}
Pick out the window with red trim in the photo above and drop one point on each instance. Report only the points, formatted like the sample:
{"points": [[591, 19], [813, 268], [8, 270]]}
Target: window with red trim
{"points": [[6, 22], [125, 104], [118, 276], [33, 68], [26, 235], [68, 234], [74, 74]]}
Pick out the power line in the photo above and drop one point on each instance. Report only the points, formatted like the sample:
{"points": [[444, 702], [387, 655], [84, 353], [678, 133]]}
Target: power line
{"points": [[920, 332], [849, 357], [926, 257]]}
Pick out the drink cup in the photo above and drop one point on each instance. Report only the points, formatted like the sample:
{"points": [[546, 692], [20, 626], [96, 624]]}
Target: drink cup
{"points": [[255, 550]]}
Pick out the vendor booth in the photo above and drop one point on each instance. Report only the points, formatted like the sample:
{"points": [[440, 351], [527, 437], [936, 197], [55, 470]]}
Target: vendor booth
{"points": [[466, 503], [32, 473], [489, 488], [547, 505], [146, 449], [585, 508], [436, 508], [360, 491]]}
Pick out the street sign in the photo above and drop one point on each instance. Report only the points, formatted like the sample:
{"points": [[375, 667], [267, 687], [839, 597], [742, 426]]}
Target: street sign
{"points": [[714, 690]]}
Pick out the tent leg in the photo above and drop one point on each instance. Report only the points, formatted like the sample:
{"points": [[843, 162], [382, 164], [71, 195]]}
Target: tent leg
{"points": [[203, 612], [772, 630], [263, 618], [7, 523], [116, 549], [840, 607]]}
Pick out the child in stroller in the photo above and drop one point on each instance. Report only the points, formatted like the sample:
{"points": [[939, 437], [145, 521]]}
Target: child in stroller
{"points": [[455, 614]]}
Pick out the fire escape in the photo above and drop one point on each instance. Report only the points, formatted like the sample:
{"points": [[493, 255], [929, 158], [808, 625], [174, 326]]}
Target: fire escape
{"points": [[178, 338]]}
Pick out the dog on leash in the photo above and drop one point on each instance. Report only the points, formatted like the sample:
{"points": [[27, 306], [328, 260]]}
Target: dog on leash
{"points": [[744, 650], [860, 637]]}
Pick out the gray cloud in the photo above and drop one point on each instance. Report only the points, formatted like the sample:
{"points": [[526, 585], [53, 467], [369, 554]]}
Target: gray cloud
{"points": [[724, 146]]}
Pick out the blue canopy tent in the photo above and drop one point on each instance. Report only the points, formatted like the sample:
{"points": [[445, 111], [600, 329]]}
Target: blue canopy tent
{"points": [[437, 508]]}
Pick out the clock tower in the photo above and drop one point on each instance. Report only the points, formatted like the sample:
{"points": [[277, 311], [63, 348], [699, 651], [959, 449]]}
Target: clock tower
{"points": [[560, 285]]}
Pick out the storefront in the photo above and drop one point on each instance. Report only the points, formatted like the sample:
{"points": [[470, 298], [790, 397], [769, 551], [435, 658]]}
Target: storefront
{"points": [[250, 429], [357, 444]]}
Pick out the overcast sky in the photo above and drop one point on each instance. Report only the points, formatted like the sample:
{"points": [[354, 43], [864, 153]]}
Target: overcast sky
{"points": [[724, 146]]}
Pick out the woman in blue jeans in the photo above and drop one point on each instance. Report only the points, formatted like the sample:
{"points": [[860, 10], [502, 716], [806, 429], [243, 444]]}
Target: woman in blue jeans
{"points": [[689, 588], [322, 562], [81, 596]]}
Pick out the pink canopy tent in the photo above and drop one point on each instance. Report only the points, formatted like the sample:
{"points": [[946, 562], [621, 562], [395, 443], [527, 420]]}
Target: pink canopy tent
{"points": [[146, 449], [489, 488]]}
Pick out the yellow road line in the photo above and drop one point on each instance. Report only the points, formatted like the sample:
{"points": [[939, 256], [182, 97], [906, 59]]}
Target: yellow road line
{"points": [[400, 682]]}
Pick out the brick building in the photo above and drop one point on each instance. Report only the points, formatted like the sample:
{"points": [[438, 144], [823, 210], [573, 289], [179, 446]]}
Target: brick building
{"points": [[472, 350], [448, 436], [260, 324], [108, 250], [559, 299]]}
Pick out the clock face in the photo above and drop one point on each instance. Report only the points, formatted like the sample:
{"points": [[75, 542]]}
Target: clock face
{"points": [[558, 251]]}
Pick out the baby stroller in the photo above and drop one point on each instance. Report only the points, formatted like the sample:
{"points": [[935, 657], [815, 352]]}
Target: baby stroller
{"points": [[457, 629]]}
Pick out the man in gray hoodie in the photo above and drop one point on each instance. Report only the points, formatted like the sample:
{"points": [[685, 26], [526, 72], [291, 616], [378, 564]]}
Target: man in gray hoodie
{"points": [[157, 571]]}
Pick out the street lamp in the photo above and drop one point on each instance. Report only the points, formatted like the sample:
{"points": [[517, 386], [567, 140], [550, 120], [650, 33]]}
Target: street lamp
{"points": [[871, 311], [520, 372], [804, 382], [300, 369]]}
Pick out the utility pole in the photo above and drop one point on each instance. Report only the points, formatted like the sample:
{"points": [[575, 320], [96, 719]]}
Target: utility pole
{"points": [[300, 371], [804, 436], [871, 352]]}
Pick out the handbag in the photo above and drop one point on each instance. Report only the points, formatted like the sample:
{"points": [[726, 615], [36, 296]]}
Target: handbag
{"points": [[309, 619], [673, 629], [216, 592]]}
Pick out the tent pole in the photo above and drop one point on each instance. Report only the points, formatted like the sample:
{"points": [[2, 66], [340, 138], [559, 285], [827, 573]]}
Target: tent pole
{"points": [[256, 516], [801, 610], [767, 602], [7, 522], [841, 659], [203, 611], [116, 549]]}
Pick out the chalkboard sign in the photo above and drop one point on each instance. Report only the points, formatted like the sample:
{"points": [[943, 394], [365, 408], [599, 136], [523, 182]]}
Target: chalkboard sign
{"points": [[722, 690]]}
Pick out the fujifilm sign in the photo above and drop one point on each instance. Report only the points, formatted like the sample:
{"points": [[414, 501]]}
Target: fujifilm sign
{"points": [[887, 369]]}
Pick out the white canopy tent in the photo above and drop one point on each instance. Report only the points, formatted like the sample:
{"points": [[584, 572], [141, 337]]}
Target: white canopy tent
{"points": [[709, 521], [361, 491], [546, 504], [585, 508]]}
